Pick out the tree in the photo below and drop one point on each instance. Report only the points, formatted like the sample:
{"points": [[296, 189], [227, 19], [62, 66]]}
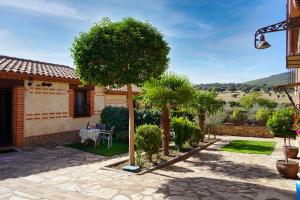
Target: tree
{"points": [[166, 93], [202, 103], [120, 53], [255, 98]]}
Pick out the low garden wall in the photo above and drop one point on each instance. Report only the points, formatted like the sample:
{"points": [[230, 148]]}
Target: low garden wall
{"points": [[242, 130]]}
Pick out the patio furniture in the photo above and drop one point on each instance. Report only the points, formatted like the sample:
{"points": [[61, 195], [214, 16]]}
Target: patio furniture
{"points": [[107, 135], [101, 126], [93, 134]]}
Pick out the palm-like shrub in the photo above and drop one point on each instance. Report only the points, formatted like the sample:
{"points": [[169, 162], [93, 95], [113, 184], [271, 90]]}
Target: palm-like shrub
{"points": [[202, 103], [166, 93], [148, 138]]}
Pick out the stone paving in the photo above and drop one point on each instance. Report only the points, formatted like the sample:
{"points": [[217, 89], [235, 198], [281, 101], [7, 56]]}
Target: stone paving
{"points": [[64, 173]]}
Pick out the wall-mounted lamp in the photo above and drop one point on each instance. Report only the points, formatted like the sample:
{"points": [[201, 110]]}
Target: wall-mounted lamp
{"points": [[263, 44]]}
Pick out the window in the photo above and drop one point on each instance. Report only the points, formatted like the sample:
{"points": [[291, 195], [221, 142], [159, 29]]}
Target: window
{"points": [[81, 104]]}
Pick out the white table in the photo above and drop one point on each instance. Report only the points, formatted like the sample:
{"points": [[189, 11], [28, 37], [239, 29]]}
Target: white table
{"points": [[92, 134]]}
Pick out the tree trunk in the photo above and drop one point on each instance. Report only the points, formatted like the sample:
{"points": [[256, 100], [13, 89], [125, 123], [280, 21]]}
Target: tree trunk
{"points": [[131, 124], [165, 127], [201, 121]]}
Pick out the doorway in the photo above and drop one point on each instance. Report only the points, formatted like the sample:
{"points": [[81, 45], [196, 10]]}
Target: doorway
{"points": [[6, 133]]}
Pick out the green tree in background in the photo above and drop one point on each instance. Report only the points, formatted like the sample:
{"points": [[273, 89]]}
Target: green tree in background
{"points": [[120, 53]]}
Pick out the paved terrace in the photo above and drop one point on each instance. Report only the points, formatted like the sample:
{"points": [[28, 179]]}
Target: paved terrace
{"points": [[64, 173]]}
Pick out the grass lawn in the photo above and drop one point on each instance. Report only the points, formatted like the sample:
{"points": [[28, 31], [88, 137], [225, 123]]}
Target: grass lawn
{"points": [[117, 148], [250, 146]]}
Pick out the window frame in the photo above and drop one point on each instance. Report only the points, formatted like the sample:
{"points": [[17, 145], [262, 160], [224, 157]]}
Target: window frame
{"points": [[88, 113]]}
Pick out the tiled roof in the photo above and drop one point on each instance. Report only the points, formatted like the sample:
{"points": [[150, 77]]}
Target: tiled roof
{"points": [[32, 67]]}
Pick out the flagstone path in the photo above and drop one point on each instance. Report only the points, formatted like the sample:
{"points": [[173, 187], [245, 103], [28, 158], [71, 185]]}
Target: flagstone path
{"points": [[63, 173]]}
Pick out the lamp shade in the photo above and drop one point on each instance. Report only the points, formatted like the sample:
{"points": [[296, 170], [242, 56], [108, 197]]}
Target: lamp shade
{"points": [[263, 44]]}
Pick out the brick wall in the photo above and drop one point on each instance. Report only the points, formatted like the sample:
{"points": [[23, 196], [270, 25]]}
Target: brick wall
{"points": [[243, 130], [71, 102], [18, 115], [91, 98]]}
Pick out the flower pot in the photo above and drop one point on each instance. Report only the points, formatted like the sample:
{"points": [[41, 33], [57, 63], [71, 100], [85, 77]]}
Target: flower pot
{"points": [[291, 151], [287, 170]]}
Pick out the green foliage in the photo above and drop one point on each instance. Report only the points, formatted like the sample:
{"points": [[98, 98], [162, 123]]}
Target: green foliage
{"points": [[148, 137], [120, 53], [239, 114], [204, 101], [196, 136], [139, 155], [147, 116], [255, 98], [216, 118], [116, 116], [263, 114], [167, 91], [281, 122], [183, 130]]}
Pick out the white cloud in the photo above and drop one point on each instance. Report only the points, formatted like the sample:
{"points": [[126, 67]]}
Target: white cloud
{"points": [[44, 7]]}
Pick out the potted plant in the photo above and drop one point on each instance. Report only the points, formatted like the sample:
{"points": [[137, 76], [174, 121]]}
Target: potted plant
{"points": [[281, 123]]}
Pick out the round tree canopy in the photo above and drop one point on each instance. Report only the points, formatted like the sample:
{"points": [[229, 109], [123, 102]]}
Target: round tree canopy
{"points": [[120, 53]]}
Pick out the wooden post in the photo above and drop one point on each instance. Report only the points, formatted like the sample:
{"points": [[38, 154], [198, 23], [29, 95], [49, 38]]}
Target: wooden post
{"points": [[131, 124]]}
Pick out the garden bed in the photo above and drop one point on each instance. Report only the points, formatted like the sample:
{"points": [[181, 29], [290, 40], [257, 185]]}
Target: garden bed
{"points": [[162, 161]]}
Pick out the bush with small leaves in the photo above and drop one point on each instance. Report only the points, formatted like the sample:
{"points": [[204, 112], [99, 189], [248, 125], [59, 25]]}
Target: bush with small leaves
{"points": [[239, 114], [148, 137], [263, 114], [183, 131]]}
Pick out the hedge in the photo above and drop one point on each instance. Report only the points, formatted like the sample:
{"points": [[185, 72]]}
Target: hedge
{"points": [[118, 116]]}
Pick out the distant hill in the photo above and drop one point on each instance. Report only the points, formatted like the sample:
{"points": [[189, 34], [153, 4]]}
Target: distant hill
{"points": [[277, 79]]}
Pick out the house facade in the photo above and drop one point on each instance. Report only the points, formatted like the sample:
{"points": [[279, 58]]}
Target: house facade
{"points": [[43, 103], [293, 46]]}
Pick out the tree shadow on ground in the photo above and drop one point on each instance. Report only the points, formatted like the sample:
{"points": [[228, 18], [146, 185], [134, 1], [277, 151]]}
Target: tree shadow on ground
{"points": [[209, 188], [43, 159], [232, 169]]}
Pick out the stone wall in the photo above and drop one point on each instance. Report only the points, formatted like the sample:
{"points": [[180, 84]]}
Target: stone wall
{"points": [[242, 130]]}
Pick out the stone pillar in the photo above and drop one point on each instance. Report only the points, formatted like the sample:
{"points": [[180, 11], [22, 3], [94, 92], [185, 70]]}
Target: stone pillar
{"points": [[18, 115]]}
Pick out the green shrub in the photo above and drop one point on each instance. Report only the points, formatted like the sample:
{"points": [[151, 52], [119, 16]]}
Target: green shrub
{"points": [[239, 114], [255, 98], [281, 122], [146, 116], [196, 136], [177, 114], [263, 114], [116, 116], [148, 137], [183, 130]]}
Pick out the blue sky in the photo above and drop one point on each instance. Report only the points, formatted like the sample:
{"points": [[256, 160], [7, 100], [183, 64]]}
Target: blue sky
{"points": [[210, 40]]}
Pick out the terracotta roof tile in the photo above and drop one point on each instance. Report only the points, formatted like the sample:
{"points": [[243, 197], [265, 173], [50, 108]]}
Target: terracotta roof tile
{"points": [[32, 67]]}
